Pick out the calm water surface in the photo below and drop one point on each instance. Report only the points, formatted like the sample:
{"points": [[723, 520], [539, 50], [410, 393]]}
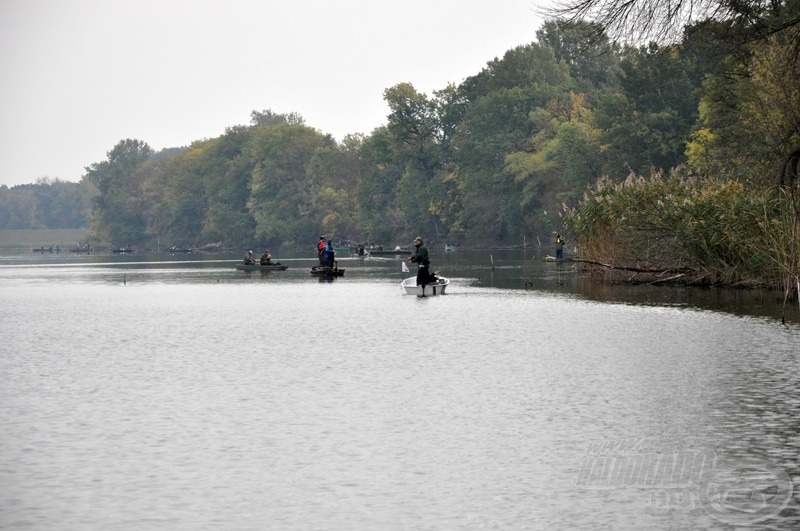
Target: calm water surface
{"points": [[161, 392]]}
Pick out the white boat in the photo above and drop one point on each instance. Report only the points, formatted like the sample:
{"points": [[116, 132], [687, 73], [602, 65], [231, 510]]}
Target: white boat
{"points": [[410, 287]]}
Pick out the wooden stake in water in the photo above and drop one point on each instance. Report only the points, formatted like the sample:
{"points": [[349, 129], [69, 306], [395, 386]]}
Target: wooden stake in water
{"points": [[492, 259]]}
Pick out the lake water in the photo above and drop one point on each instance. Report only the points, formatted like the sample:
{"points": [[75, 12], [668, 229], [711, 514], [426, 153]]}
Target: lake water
{"points": [[174, 392]]}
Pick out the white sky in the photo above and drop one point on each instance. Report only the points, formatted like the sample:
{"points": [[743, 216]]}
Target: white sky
{"points": [[78, 76]]}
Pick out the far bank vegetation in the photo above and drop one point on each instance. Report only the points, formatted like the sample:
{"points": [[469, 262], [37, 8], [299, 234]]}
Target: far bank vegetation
{"points": [[674, 160]]}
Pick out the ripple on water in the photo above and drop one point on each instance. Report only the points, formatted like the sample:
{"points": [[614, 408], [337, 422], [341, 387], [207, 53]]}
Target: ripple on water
{"points": [[299, 404]]}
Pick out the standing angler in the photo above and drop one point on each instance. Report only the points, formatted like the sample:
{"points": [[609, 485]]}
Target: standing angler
{"points": [[559, 247], [420, 257], [320, 249]]}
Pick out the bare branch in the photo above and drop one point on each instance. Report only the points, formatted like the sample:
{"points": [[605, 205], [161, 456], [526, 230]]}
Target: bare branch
{"points": [[640, 21]]}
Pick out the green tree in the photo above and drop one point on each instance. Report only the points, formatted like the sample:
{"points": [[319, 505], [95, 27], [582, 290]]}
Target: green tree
{"points": [[336, 175], [497, 123], [562, 157], [175, 196], [592, 58], [18, 208], [117, 217], [61, 204], [420, 133], [649, 121], [279, 199], [227, 217], [750, 118], [382, 218], [49, 203], [268, 117]]}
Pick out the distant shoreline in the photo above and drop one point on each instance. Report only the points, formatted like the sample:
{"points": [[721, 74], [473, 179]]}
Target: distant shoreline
{"points": [[22, 238]]}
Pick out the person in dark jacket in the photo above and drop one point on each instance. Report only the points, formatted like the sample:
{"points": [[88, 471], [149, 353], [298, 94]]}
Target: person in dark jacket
{"points": [[559, 247], [328, 255], [420, 257]]}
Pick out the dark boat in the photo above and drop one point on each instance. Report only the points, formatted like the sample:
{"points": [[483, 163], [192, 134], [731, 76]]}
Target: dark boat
{"points": [[259, 267], [179, 250], [322, 271]]}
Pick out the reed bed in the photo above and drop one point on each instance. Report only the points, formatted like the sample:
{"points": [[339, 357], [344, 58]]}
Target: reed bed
{"points": [[690, 230]]}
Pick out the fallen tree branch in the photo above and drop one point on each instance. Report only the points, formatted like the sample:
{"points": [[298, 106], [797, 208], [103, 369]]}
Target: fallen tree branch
{"points": [[668, 279], [682, 270]]}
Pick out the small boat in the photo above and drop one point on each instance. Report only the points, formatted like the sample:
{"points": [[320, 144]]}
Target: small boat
{"points": [[410, 287], [259, 267], [323, 271], [174, 249], [120, 250], [450, 247]]}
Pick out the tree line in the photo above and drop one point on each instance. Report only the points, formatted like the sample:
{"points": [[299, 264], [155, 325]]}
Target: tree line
{"points": [[47, 204], [489, 161], [514, 152]]}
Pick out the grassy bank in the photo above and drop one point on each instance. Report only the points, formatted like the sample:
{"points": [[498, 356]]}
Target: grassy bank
{"points": [[30, 238]]}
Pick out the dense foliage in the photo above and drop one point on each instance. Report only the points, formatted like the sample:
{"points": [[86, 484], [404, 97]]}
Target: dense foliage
{"points": [[708, 231], [730, 214], [489, 161], [496, 159], [48, 204]]}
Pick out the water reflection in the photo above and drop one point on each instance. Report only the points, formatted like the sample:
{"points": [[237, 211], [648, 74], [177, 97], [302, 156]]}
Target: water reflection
{"points": [[194, 396], [521, 270], [514, 270]]}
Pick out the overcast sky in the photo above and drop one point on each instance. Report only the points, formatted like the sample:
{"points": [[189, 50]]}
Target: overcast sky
{"points": [[78, 76]]}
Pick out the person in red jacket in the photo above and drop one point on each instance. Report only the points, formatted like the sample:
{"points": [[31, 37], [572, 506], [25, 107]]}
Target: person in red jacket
{"points": [[320, 248]]}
